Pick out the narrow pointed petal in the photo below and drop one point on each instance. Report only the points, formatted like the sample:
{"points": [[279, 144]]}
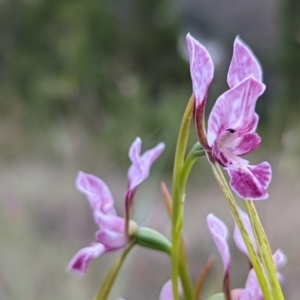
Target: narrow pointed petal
{"points": [[243, 64], [135, 150], [238, 238], [219, 233], [235, 109], [280, 259], [140, 168], [201, 68], [251, 182], [97, 193], [83, 257], [245, 144]]}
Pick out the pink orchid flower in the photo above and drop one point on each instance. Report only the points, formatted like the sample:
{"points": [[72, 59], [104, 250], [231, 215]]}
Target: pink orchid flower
{"points": [[232, 122], [167, 291], [219, 233], [112, 233]]}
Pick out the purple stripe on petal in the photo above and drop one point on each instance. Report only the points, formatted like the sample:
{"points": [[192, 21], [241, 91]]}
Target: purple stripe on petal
{"points": [[251, 182], [245, 144], [219, 233], [235, 109], [201, 68], [83, 257], [97, 193], [243, 64]]}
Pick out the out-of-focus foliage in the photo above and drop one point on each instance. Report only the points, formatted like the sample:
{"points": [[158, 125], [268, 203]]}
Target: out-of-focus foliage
{"points": [[104, 60]]}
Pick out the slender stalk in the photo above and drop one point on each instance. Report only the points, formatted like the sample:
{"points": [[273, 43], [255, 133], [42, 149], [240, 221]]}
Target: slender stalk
{"points": [[183, 264], [265, 250], [261, 276], [112, 275], [177, 196]]}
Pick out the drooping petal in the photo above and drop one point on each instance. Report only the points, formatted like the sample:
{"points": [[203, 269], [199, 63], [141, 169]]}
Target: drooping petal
{"points": [[112, 240], [245, 144], [250, 182], [280, 259], [235, 109], [219, 233], [243, 64], [140, 168], [201, 68], [83, 257], [97, 193], [238, 238]]}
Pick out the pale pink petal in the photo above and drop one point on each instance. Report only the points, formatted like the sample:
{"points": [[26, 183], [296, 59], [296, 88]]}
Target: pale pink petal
{"points": [[250, 182], [97, 193], [245, 144], [280, 259], [235, 110], [219, 233], [252, 288], [201, 68], [83, 257], [243, 64], [238, 238], [109, 222], [167, 291], [112, 240], [236, 294], [135, 150], [140, 168]]}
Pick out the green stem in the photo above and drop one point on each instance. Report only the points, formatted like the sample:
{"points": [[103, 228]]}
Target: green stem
{"points": [[263, 282], [112, 274], [264, 249], [177, 191]]}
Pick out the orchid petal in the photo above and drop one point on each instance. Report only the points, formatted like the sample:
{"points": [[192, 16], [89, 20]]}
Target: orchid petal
{"points": [[135, 150], [243, 64], [140, 168], [235, 109], [251, 182], [245, 144], [252, 288], [109, 222], [201, 68], [83, 257], [112, 240], [280, 259], [238, 238], [219, 233], [167, 291], [97, 193]]}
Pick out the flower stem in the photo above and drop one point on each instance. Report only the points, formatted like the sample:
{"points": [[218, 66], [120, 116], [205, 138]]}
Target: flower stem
{"points": [[264, 249], [177, 194], [112, 274], [261, 276]]}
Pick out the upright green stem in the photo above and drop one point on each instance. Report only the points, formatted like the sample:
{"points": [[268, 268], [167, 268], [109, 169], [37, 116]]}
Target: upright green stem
{"points": [[112, 274], [264, 249], [177, 191], [261, 276]]}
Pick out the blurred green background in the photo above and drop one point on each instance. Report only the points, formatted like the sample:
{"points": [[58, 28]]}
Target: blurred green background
{"points": [[79, 80]]}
